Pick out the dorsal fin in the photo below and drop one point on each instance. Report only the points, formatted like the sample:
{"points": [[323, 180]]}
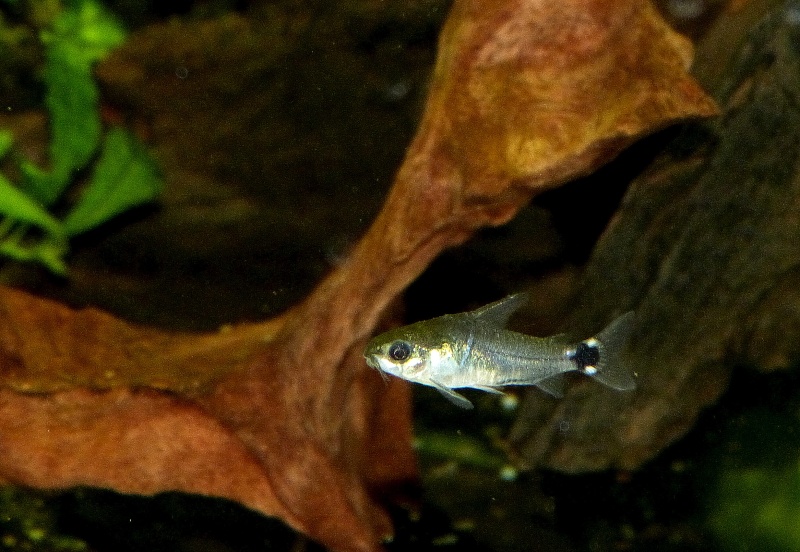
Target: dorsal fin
{"points": [[498, 313]]}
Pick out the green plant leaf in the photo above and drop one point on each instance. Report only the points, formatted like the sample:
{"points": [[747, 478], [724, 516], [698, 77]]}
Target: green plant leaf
{"points": [[125, 176], [88, 29], [74, 118], [41, 185], [6, 140], [17, 206], [47, 250], [20, 213], [81, 35]]}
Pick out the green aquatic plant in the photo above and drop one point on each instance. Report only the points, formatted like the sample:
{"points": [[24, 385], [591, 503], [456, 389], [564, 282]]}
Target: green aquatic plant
{"points": [[28, 521], [121, 174], [759, 509], [464, 450], [755, 498]]}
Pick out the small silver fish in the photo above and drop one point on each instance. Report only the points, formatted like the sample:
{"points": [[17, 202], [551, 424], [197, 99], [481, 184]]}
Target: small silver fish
{"points": [[473, 350]]}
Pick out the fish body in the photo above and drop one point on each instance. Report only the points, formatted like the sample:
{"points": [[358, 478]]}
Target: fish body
{"points": [[473, 350]]}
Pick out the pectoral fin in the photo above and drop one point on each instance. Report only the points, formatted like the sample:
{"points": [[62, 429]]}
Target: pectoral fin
{"points": [[452, 396]]}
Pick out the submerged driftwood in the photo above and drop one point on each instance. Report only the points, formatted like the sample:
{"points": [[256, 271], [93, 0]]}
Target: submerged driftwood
{"points": [[706, 249], [291, 422]]}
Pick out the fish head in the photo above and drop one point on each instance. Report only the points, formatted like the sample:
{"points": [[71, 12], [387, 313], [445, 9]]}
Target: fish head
{"points": [[403, 352]]}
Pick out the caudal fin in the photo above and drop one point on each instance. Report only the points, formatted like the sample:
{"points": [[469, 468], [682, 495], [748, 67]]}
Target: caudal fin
{"points": [[601, 356]]}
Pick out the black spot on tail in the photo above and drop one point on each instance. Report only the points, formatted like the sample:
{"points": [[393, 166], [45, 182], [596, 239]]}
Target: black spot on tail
{"points": [[586, 355]]}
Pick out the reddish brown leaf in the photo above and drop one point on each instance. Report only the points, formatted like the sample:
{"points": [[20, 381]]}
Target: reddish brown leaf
{"points": [[535, 93], [284, 417], [45, 347], [229, 406]]}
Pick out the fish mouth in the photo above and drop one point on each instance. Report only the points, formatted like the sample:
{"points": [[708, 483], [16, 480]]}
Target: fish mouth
{"points": [[372, 362]]}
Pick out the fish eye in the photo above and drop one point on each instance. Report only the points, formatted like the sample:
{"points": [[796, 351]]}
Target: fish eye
{"points": [[399, 350]]}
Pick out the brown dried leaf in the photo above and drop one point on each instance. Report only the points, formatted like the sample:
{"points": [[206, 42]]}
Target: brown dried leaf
{"points": [[536, 93], [227, 406], [46, 347], [284, 417]]}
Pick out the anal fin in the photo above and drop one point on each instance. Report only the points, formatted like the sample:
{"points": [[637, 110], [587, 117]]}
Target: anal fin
{"points": [[553, 385]]}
